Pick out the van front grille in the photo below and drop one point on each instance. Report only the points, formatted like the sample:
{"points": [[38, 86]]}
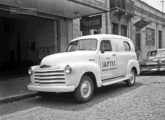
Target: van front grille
{"points": [[49, 76]]}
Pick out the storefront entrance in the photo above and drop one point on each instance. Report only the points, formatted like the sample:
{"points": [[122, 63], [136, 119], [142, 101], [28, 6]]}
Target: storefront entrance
{"points": [[11, 44], [24, 41]]}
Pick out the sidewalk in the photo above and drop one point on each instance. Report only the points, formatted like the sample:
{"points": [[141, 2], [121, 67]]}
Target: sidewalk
{"points": [[14, 88]]}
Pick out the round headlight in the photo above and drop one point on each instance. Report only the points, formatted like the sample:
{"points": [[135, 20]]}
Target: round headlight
{"points": [[68, 69], [30, 71]]}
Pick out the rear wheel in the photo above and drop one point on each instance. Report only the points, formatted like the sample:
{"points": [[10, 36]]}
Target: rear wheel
{"points": [[84, 91], [131, 81]]}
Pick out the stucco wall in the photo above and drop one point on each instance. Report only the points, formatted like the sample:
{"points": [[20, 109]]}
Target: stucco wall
{"points": [[163, 36], [76, 28], [66, 29]]}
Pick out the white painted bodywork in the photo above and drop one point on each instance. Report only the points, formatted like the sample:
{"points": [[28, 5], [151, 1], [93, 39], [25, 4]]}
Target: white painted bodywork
{"points": [[83, 62]]}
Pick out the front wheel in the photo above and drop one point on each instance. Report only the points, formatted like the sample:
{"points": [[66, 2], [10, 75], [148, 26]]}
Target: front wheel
{"points": [[132, 78], [84, 91]]}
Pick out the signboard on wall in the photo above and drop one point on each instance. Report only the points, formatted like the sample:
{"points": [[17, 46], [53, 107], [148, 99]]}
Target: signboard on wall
{"points": [[142, 23], [93, 22], [150, 36]]}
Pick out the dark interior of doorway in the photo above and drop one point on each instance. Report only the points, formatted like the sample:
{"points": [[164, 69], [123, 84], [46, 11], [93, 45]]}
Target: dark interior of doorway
{"points": [[11, 46]]}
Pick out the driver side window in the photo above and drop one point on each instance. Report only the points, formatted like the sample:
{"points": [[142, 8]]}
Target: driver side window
{"points": [[105, 45]]}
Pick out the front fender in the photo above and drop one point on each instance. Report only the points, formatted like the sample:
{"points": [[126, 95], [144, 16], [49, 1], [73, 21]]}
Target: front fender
{"points": [[80, 68]]}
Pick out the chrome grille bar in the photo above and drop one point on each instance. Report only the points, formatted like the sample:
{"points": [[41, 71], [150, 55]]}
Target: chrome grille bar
{"points": [[49, 76]]}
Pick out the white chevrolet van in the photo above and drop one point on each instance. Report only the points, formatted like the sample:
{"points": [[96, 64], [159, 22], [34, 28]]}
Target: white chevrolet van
{"points": [[89, 62]]}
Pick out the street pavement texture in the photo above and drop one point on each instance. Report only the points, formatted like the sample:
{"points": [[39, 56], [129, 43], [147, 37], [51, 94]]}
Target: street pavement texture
{"points": [[144, 103], [13, 86]]}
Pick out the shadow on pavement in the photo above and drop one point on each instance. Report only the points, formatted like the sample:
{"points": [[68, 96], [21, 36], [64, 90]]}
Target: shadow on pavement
{"points": [[11, 85], [159, 73], [66, 101]]}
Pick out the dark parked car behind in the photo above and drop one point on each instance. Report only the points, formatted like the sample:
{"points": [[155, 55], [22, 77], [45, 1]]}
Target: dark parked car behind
{"points": [[154, 61]]}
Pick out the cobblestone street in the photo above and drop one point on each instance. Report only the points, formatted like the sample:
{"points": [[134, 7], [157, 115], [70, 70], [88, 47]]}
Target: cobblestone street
{"points": [[144, 101]]}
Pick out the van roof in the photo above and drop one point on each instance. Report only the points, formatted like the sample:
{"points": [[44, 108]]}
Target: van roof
{"points": [[99, 36]]}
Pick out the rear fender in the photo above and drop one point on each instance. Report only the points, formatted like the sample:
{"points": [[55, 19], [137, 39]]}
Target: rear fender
{"points": [[133, 64]]}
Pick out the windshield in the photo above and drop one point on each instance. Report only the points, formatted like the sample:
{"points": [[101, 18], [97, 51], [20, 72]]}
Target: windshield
{"points": [[83, 44]]}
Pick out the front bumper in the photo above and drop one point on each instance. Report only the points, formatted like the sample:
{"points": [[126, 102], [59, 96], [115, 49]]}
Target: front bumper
{"points": [[51, 88]]}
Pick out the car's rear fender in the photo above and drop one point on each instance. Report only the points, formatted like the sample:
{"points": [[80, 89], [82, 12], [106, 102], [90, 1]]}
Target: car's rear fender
{"points": [[133, 64]]}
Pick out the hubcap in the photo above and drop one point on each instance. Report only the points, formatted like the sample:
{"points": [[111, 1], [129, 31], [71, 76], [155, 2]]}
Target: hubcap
{"points": [[85, 89]]}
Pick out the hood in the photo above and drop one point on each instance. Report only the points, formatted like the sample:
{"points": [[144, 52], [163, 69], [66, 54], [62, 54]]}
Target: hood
{"points": [[61, 59]]}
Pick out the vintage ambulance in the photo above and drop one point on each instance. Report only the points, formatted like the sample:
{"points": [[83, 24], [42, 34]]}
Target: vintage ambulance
{"points": [[89, 62]]}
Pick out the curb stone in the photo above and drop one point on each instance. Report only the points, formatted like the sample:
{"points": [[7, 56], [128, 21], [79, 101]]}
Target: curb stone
{"points": [[17, 97]]}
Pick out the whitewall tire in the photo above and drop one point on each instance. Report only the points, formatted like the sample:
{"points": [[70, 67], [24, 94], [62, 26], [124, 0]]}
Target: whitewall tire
{"points": [[131, 81], [84, 91]]}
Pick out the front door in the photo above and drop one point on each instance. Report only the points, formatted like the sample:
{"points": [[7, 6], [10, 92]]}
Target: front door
{"points": [[108, 61]]}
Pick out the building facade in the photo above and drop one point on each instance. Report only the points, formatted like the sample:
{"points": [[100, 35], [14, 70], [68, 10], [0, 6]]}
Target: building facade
{"points": [[144, 24], [148, 28], [116, 21], [93, 24], [122, 11], [30, 30]]}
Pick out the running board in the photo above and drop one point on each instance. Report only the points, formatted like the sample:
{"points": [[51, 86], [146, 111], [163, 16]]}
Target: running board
{"points": [[113, 81]]}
